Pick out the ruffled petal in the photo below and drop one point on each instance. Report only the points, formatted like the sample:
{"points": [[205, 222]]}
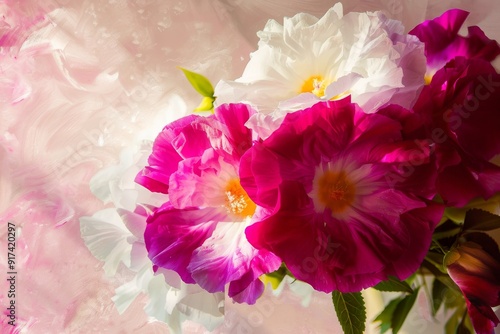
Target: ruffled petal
{"points": [[442, 42], [354, 238], [173, 235]]}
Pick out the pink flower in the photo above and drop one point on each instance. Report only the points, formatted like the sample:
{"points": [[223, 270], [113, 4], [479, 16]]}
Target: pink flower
{"points": [[442, 42], [475, 268], [199, 233], [338, 221], [458, 111]]}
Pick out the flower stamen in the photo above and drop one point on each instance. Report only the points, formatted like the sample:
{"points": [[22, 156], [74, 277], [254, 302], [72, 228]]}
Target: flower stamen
{"points": [[237, 201], [335, 191], [315, 84]]}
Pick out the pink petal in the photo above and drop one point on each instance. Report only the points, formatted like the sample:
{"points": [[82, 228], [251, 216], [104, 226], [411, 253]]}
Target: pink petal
{"points": [[173, 235]]}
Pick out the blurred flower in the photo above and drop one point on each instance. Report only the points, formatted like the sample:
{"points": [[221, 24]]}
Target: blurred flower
{"points": [[442, 42], [475, 267], [337, 222], [199, 232]]}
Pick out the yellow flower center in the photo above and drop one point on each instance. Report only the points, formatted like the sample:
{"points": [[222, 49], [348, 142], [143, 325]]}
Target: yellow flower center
{"points": [[428, 78], [315, 84], [237, 200], [335, 191]]}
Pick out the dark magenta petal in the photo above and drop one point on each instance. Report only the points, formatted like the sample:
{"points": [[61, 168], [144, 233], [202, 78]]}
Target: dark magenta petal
{"points": [[260, 176], [446, 27], [173, 235], [419, 225], [483, 318], [310, 128], [457, 185], [442, 42], [437, 34], [457, 112], [373, 237]]}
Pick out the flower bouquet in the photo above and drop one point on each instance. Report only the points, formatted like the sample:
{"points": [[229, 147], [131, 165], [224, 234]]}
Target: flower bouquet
{"points": [[349, 155]]}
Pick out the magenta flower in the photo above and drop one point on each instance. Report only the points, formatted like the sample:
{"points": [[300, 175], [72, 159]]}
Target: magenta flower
{"points": [[199, 233], [339, 222], [459, 113], [442, 42], [475, 268]]}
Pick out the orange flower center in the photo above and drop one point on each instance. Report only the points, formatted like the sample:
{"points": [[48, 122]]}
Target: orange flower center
{"points": [[428, 79], [335, 191], [315, 84], [237, 200]]}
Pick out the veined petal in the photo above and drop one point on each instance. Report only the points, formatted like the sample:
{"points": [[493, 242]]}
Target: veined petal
{"points": [[107, 239], [336, 222], [173, 235], [228, 257]]}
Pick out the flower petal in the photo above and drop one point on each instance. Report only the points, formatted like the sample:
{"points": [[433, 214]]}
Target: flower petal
{"points": [[173, 235]]}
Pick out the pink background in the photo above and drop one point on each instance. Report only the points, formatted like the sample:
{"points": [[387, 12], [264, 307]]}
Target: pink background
{"points": [[79, 80]]}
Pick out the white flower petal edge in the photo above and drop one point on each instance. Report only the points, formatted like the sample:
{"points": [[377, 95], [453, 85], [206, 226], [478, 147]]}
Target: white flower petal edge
{"points": [[191, 304], [306, 60], [106, 236]]}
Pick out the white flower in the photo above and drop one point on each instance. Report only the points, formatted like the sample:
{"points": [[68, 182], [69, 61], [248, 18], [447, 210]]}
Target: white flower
{"points": [[299, 288], [307, 59], [115, 236]]}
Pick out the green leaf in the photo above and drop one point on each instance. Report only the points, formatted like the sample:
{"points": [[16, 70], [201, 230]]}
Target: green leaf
{"points": [[437, 269], [452, 324], [351, 311], [438, 295], [385, 317], [393, 285], [463, 329], [480, 220], [207, 104], [275, 277], [447, 229], [452, 297], [201, 84], [445, 291], [402, 311], [466, 326], [436, 258]]}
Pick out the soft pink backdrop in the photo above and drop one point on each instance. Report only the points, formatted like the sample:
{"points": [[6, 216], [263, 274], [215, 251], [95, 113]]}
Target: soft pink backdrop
{"points": [[79, 80]]}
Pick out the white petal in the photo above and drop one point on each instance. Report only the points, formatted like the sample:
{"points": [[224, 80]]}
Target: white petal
{"points": [[264, 125], [126, 293], [100, 182], [299, 288], [298, 102], [174, 306], [342, 85], [106, 236]]}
